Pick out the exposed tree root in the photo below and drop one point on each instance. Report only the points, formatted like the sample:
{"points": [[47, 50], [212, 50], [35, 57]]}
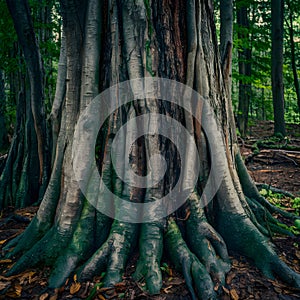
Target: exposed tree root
{"points": [[243, 237], [251, 191], [112, 256], [197, 278], [206, 243], [150, 249], [81, 246], [265, 218]]}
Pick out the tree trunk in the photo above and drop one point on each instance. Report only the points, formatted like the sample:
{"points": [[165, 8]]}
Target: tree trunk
{"points": [[277, 7], [3, 129], [35, 143], [244, 68], [226, 34], [293, 53], [146, 148]]}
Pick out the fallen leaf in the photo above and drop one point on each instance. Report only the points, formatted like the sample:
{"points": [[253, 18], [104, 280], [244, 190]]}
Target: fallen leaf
{"points": [[101, 297], [3, 242], [216, 287], [54, 297], [278, 290], [230, 277], [25, 276], [234, 295], [5, 261], [167, 289], [44, 296], [4, 285], [225, 290], [16, 292], [75, 287]]}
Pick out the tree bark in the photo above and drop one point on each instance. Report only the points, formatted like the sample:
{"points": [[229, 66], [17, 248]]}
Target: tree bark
{"points": [[226, 35], [154, 39], [3, 129], [23, 25], [244, 68], [293, 53], [277, 8]]}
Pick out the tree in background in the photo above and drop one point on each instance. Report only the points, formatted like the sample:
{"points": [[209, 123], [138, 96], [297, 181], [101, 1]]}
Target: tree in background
{"points": [[107, 43], [226, 42], [3, 129], [292, 7], [26, 171], [277, 10], [245, 65]]}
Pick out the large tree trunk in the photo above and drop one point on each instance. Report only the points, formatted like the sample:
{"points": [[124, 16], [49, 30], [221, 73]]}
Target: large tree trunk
{"points": [[108, 43]]}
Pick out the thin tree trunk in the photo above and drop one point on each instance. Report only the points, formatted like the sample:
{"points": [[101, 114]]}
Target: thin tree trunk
{"points": [[3, 129], [226, 33], [277, 8], [244, 68], [293, 53]]}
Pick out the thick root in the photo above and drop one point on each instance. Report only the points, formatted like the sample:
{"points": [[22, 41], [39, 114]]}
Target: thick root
{"points": [[150, 249], [46, 250], [112, 256], [196, 276], [265, 219], [243, 237], [250, 190], [80, 247], [24, 242], [206, 243]]}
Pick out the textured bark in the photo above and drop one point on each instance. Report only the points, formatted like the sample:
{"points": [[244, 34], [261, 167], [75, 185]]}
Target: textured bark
{"points": [[23, 24], [293, 52], [3, 129], [226, 33], [59, 98], [176, 40], [244, 69], [277, 7]]}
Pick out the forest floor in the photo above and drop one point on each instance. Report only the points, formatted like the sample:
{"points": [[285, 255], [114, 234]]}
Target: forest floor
{"points": [[270, 161]]}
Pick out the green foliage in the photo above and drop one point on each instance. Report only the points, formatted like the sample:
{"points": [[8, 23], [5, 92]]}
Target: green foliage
{"points": [[283, 202], [296, 205], [47, 26], [257, 38], [165, 268], [276, 141]]}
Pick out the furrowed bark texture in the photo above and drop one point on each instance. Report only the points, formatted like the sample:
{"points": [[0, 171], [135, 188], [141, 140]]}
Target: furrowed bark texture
{"points": [[107, 44]]}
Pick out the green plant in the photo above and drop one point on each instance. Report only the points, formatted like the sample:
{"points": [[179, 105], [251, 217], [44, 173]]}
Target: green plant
{"points": [[296, 205], [165, 268]]}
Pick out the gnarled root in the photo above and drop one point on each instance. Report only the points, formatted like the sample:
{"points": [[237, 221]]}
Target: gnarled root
{"points": [[112, 256], [197, 278], [206, 243], [150, 249]]}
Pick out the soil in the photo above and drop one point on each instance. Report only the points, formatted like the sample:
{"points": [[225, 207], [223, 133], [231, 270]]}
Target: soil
{"points": [[275, 164]]}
